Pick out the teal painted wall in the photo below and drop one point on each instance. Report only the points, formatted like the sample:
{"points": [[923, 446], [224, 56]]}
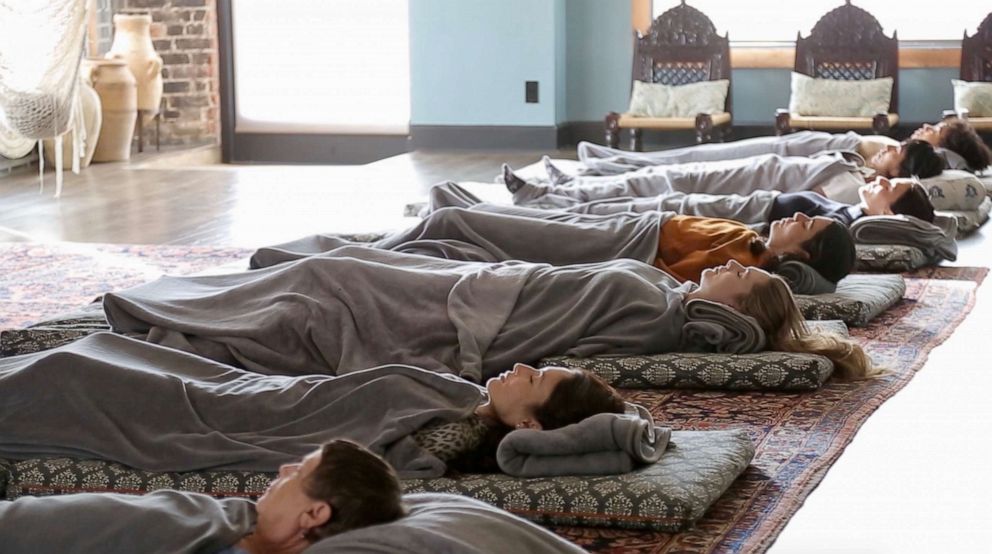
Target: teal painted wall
{"points": [[599, 48], [470, 58]]}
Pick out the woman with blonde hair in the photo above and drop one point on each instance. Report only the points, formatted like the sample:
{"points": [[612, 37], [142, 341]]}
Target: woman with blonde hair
{"points": [[772, 305]]}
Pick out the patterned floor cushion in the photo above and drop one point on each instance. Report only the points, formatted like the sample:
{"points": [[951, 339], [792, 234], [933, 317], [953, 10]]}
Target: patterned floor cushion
{"points": [[890, 258], [54, 332], [968, 221], [859, 298], [763, 371], [667, 496]]}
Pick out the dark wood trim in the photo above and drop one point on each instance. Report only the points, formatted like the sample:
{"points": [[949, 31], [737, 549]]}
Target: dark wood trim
{"points": [[225, 59], [316, 148], [480, 136]]}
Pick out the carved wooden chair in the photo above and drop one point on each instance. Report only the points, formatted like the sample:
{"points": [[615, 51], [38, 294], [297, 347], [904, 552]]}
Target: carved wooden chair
{"points": [[681, 47], [848, 44], [976, 65]]}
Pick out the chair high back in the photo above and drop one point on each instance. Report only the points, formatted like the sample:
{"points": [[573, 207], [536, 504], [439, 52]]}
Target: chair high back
{"points": [[976, 53], [848, 44], [680, 48]]}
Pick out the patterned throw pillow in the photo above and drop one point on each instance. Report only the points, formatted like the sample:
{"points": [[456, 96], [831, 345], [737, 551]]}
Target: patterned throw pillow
{"points": [[974, 97], [837, 98], [955, 189], [655, 100]]}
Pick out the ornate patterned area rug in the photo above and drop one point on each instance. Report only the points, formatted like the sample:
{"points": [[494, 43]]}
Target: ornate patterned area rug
{"points": [[39, 281], [798, 436]]}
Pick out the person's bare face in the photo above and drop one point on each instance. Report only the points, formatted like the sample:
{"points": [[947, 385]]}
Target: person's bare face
{"points": [[788, 235], [516, 394], [879, 195], [886, 161], [929, 133], [726, 284]]}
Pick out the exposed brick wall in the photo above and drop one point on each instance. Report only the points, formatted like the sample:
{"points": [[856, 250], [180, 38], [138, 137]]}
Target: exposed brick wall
{"points": [[184, 33]]}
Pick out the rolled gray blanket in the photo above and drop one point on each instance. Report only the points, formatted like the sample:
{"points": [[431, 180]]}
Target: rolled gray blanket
{"points": [[603, 444], [713, 327], [936, 241], [803, 279]]}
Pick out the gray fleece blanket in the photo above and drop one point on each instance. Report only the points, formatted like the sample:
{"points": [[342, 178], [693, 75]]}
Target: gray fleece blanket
{"points": [[752, 209], [506, 233], [448, 524], [162, 522], [714, 327], [602, 160], [766, 172], [358, 307], [937, 243], [157, 409], [603, 444]]}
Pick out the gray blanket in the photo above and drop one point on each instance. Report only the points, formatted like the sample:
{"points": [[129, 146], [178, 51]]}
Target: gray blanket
{"points": [[936, 243], [713, 327], [602, 160], [83, 400], [752, 209], [603, 444], [506, 233], [448, 524], [803, 279], [767, 172], [162, 522], [357, 307]]}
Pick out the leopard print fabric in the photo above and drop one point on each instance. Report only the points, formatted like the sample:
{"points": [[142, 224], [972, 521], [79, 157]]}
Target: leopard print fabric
{"points": [[447, 440]]}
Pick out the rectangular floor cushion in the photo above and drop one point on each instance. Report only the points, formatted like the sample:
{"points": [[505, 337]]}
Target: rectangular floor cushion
{"points": [[667, 496], [970, 220], [890, 258], [859, 299], [779, 371]]}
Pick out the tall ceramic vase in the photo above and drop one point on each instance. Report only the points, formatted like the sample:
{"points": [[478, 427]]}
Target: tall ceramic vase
{"points": [[133, 44], [118, 93], [92, 122]]}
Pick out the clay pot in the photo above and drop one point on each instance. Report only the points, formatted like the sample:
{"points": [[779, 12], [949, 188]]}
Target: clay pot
{"points": [[133, 43], [118, 93], [92, 121]]}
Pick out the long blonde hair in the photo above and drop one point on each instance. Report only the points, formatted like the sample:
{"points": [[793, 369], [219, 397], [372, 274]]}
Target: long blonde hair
{"points": [[775, 310]]}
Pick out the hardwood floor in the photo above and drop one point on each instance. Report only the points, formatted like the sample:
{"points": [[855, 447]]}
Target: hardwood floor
{"points": [[171, 199]]}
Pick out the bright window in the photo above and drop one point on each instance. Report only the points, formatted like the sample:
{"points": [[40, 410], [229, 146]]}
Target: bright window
{"points": [[778, 21], [304, 66]]}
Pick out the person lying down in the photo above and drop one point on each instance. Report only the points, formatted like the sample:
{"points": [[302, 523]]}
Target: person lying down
{"points": [[338, 498], [881, 196], [681, 245], [357, 307], [157, 409], [954, 140], [837, 175]]}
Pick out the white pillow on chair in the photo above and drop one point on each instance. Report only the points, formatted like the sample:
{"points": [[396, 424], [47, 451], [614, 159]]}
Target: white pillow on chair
{"points": [[838, 98], [974, 97], [656, 100]]}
